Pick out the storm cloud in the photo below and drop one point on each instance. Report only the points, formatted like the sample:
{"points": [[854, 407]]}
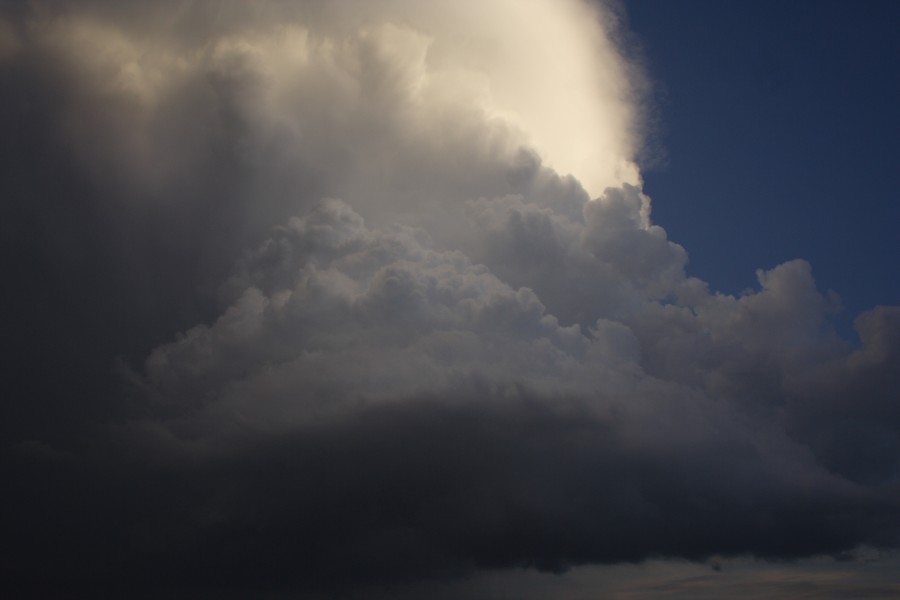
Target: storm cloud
{"points": [[315, 296]]}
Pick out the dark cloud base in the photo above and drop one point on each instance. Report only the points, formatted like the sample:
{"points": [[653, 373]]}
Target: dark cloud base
{"points": [[400, 494]]}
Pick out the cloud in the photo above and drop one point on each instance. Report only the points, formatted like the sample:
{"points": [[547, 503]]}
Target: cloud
{"points": [[388, 304]]}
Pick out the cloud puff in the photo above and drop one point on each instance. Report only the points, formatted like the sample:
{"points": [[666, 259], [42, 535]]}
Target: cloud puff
{"points": [[463, 363]]}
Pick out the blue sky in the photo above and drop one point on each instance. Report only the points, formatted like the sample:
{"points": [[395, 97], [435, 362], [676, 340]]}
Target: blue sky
{"points": [[780, 129]]}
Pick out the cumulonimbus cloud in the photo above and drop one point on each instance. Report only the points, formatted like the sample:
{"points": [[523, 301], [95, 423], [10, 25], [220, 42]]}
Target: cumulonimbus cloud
{"points": [[402, 312]]}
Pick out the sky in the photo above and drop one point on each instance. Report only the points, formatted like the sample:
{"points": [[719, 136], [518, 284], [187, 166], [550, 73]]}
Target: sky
{"points": [[515, 299], [779, 139]]}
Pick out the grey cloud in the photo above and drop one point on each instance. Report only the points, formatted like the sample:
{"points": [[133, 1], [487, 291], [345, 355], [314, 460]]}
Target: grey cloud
{"points": [[225, 375], [360, 338], [366, 313]]}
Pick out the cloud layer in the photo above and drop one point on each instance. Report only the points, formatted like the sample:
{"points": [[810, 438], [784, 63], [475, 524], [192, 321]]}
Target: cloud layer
{"points": [[387, 303]]}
